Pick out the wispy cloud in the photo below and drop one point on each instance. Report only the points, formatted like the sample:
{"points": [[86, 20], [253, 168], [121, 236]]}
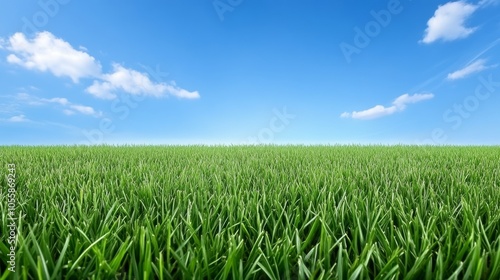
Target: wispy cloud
{"points": [[67, 107], [18, 118], [372, 113], [59, 100], [402, 101], [448, 22], [398, 105], [23, 119], [486, 49], [86, 110], [474, 67], [27, 99], [485, 3], [47, 53], [136, 83], [9, 108]]}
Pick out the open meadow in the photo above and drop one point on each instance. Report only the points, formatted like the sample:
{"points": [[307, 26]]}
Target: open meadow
{"points": [[252, 212]]}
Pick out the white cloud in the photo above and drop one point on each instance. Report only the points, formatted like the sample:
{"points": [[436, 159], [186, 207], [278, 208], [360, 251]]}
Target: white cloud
{"points": [[476, 66], [102, 90], [47, 53], [345, 115], [448, 22], [136, 83], [181, 93], [406, 99], [19, 118], [86, 110], [372, 113], [62, 101], [398, 105]]}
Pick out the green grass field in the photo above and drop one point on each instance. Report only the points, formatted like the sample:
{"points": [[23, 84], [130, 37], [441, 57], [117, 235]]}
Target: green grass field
{"points": [[265, 212]]}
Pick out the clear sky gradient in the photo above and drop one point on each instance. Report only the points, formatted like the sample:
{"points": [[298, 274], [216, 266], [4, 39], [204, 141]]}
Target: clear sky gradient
{"points": [[249, 72]]}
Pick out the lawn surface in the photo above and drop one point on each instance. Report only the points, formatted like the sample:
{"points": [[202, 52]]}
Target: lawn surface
{"points": [[267, 212]]}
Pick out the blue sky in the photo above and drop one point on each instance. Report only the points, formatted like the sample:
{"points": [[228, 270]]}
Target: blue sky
{"points": [[249, 72]]}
